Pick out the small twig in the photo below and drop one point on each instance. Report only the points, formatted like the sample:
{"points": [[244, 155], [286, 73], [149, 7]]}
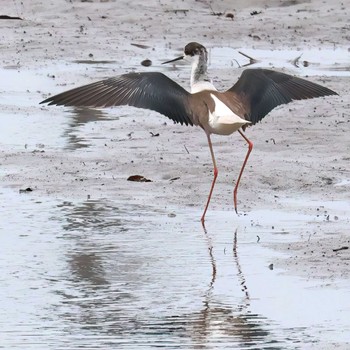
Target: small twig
{"points": [[251, 59], [239, 66], [141, 46], [10, 17], [245, 55], [341, 248], [295, 62], [215, 13], [184, 11]]}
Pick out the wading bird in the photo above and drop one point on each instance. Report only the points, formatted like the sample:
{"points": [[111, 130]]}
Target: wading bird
{"points": [[253, 96]]}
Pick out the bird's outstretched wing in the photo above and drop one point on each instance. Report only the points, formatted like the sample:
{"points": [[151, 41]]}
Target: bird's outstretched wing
{"points": [[150, 90], [261, 90]]}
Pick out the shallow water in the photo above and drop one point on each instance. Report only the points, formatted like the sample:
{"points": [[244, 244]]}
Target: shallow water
{"points": [[100, 274]]}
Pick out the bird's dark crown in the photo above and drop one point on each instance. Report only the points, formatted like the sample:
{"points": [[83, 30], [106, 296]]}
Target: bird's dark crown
{"points": [[194, 48]]}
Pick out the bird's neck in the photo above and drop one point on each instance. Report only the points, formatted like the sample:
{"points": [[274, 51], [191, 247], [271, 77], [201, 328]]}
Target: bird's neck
{"points": [[199, 74]]}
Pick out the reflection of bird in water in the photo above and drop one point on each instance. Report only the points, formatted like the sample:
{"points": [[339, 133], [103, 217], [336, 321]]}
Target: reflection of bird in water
{"points": [[211, 256], [239, 269], [240, 274], [256, 93], [87, 115], [81, 116], [218, 324]]}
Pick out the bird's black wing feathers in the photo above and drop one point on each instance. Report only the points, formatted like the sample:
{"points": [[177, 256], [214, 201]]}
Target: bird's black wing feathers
{"points": [[262, 90], [149, 90]]}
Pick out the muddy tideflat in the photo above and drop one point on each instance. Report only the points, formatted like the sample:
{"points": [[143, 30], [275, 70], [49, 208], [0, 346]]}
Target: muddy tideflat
{"points": [[294, 196]]}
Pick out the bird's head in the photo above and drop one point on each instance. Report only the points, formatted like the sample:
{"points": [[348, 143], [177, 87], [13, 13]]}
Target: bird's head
{"points": [[192, 52]]}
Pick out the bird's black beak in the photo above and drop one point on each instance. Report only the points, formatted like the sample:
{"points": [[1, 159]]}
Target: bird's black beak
{"points": [[175, 59]]}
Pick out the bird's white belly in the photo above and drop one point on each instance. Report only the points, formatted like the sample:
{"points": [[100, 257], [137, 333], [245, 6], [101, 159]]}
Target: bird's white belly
{"points": [[223, 121]]}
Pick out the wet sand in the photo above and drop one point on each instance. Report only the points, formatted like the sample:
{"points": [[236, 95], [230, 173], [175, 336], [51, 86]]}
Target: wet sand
{"points": [[300, 161]]}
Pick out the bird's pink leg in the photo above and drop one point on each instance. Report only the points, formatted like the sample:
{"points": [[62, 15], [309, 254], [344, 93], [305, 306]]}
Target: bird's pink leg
{"points": [[250, 147], [214, 179]]}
